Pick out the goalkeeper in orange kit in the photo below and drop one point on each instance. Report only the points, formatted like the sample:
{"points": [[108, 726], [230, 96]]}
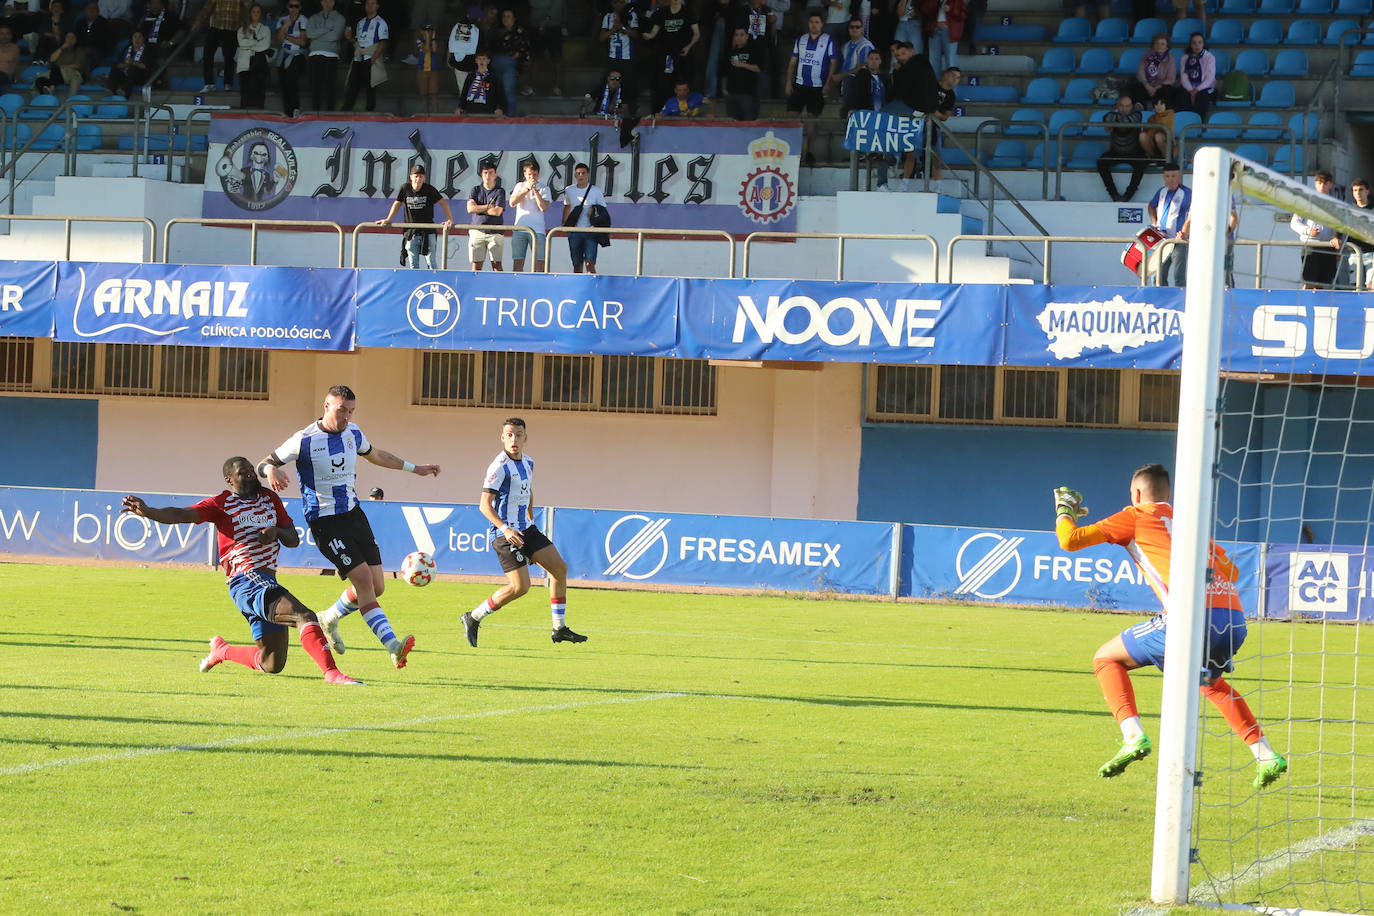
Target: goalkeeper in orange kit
{"points": [[1143, 529]]}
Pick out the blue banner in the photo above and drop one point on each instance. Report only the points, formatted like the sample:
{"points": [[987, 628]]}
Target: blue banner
{"points": [[280, 308], [27, 290], [854, 322], [1138, 327], [540, 313], [87, 524], [1321, 583], [676, 173], [879, 132], [1305, 331], [726, 551]]}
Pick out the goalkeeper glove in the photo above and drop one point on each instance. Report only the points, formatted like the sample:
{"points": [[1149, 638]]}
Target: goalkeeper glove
{"points": [[1069, 503]]}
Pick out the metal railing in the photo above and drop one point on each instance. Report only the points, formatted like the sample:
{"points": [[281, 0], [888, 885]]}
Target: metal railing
{"points": [[443, 231], [253, 226], [1045, 241], [1294, 162], [640, 234], [842, 237], [147, 253]]}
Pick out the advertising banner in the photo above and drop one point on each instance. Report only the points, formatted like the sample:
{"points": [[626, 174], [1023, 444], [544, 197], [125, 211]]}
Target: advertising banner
{"points": [[672, 175], [726, 551], [87, 524], [27, 290], [1306, 331], [879, 132], [532, 313], [1319, 583], [278, 308], [851, 322], [1120, 327]]}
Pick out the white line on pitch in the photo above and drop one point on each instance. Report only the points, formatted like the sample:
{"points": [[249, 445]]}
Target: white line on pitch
{"points": [[24, 768]]}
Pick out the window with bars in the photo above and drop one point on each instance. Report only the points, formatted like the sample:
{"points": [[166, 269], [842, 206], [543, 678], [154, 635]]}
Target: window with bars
{"points": [[60, 367], [1022, 396], [636, 384]]}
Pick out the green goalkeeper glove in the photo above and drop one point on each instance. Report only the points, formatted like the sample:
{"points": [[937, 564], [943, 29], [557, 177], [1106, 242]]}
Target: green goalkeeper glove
{"points": [[1068, 502]]}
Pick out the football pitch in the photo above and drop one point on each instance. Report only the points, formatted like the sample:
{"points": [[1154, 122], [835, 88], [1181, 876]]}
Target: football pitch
{"points": [[699, 754]]}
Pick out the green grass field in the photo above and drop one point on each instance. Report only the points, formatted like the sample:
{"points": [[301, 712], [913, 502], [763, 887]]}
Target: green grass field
{"points": [[700, 754]]}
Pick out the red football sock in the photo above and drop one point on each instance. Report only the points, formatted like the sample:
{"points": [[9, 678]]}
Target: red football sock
{"points": [[313, 642], [247, 656], [1234, 709], [1116, 687]]}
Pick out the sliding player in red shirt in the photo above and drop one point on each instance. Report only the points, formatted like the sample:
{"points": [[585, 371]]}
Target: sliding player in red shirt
{"points": [[252, 525], [1144, 529]]}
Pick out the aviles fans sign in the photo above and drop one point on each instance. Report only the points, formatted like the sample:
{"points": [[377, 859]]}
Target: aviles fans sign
{"points": [[677, 175]]}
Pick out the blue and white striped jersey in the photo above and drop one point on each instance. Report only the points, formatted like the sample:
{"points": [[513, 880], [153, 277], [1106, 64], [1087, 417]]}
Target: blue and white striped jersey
{"points": [[511, 480], [326, 465], [813, 59]]}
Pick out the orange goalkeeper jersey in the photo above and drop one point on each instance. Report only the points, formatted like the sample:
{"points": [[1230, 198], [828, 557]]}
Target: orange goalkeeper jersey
{"points": [[1145, 531]]}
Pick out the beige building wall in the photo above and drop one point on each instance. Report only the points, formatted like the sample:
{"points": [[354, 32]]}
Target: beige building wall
{"points": [[785, 442]]}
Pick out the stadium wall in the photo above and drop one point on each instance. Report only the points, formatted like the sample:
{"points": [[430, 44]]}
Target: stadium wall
{"points": [[56, 441]]}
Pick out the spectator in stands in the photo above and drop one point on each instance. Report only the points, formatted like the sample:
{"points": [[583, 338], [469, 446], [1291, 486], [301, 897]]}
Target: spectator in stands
{"points": [[761, 25], [378, 494], [620, 32], [684, 103], [1123, 145], [740, 75], [119, 14], [532, 202], [95, 34], [326, 31], [1156, 142], [132, 70], [250, 59], [715, 22], [1169, 211], [673, 34], [814, 61], [909, 23], [867, 88], [293, 39], [853, 54], [1181, 10], [369, 40], [51, 30], [943, 26], [223, 18], [546, 36], [1320, 259], [68, 64], [510, 51], [976, 9], [482, 92], [1156, 73], [915, 93], [463, 39], [1362, 260], [418, 197], [944, 108], [1198, 77], [486, 204], [161, 28], [608, 99], [578, 202], [9, 57], [424, 14], [837, 20], [429, 60]]}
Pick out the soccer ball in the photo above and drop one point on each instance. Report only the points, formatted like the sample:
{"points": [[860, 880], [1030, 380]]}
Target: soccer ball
{"points": [[417, 568]]}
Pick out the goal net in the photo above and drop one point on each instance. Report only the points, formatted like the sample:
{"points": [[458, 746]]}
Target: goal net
{"points": [[1275, 462]]}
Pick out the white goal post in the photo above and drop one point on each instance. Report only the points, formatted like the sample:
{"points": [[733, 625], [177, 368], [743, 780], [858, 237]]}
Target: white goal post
{"points": [[1218, 179]]}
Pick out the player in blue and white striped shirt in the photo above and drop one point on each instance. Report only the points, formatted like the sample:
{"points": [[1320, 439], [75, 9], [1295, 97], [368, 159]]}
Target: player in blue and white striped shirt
{"points": [[508, 503], [1168, 211], [326, 455]]}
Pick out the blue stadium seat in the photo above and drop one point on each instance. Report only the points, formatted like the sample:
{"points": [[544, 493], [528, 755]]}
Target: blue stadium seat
{"points": [[1303, 32], [1264, 125], [1290, 62], [1225, 32], [1219, 125], [1354, 7], [1061, 116], [1056, 60], [1277, 94], [1287, 160], [101, 74], [10, 102], [1096, 60], [1146, 29], [1079, 91], [1237, 7], [1252, 62], [954, 158], [79, 105], [1264, 32], [1253, 152], [1097, 124], [16, 135], [1183, 30], [1043, 90], [985, 93], [112, 106], [1275, 7], [33, 72], [1187, 119], [50, 138], [1008, 154], [1085, 155], [1295, 124], [1223, 59], [1314, 7], [1340, 27], [1075, 31], [1025, 122], [1113, 31], [1038, 156], [1364, 64], [1130, 60], [998, 32], [88, 137], [38, 108]]}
